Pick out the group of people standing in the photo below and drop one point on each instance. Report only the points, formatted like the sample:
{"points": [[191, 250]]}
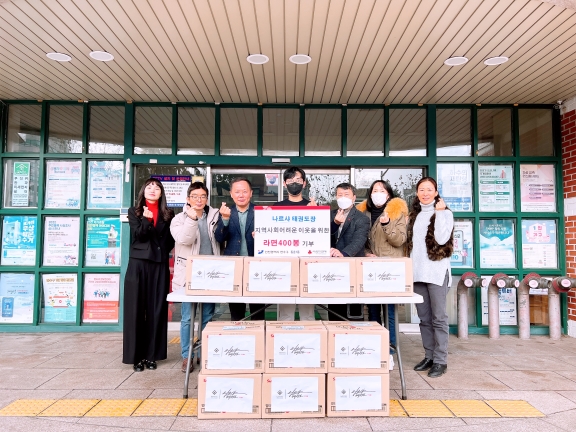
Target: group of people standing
{"points": [[380, 226]]}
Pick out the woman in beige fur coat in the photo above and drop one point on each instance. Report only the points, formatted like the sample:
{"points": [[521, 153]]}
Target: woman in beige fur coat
{"points": [[387, 236]]}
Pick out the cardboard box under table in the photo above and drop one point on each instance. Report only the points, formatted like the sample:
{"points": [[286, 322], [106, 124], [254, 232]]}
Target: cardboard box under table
{"points": [[293, 395], [214, 275], [358, 395], [327, 277], [384, 277], [271, 277], [358, 347], [295, 348], [233, 348], [229, 396]]}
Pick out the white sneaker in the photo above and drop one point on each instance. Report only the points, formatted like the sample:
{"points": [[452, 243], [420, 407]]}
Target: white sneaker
{"points": [[391, 363]]}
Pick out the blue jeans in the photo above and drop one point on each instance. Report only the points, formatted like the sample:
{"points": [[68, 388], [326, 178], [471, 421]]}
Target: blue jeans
{"points": [[374, 315], [207, 313]]}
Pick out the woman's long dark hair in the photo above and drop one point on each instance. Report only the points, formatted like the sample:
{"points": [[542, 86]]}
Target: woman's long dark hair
{"points": [[369, 204], [163, 210]]}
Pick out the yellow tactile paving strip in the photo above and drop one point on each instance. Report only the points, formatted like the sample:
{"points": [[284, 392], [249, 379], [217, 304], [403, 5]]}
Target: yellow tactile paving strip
{"points": [[114, 408], [189, 408], [426, 408], [514, 408], [470, 408], [174, 340], [159, 407], [69, 408], [396, 409], [26, 407]]}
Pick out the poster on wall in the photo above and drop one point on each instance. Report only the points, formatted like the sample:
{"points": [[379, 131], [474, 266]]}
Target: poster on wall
{"points": [[175, 188], [455, 186], [20, 184], [496, 189], [508, 306], [462, 255], [63, 184], [17, 298], [539, 248], [60, 297], [61, 239], [497, 244], [538, 188], [19, 240], [102, 241], [105, 184], [101, 298]]}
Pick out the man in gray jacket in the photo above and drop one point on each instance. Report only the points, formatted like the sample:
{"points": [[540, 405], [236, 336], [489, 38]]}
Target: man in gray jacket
{"points": [[193, 232]]}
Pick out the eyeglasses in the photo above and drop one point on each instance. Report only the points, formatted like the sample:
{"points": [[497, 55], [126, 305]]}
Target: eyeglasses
{"points": [[295, 180], [197, 197]]}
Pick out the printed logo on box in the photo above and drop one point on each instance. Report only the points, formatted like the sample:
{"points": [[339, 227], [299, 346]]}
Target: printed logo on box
{"points": [[383, 276], [294, 394], [229, 394], [357, 393], [296, 350], [357, 351], [231, 352]]}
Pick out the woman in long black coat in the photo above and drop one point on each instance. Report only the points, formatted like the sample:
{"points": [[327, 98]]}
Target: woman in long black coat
{"points": [[147, 279]]}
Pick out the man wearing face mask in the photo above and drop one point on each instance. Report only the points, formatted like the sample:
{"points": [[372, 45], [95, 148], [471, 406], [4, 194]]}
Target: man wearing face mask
{"points": [[349, 231], [295, 182]]}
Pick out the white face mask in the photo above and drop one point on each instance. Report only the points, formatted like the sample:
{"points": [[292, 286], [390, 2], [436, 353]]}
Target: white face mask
{"points": [[379, 198], [344, 202]]}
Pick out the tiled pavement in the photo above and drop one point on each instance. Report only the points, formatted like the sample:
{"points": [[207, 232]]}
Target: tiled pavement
{"points": [[88, 366]]}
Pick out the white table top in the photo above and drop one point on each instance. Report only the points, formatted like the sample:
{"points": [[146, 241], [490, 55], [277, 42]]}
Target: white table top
{"points": [[179, 296]]}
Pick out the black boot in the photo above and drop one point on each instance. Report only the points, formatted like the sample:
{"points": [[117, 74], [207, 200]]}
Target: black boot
{"points": [[424, 365]]}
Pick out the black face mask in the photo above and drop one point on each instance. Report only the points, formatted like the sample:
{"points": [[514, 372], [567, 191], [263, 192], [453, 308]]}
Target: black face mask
{"points": [[294, 188]]}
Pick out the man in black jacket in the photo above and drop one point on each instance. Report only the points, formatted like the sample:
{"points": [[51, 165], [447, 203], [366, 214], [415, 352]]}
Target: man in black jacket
{"points": [[349, 231]]}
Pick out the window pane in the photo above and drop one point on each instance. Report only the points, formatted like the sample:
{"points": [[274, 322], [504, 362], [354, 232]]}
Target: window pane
{"points": [[265, 187], [497, 243], [402, 180], [21, 182], [537, 188], [408, 132], [19, 289], [24, 128], [63, 184], [365, 132], [238, 131], [153, 130], [19, 239], [539, 244], [61, 239], [104, 184], [323, 135], [106, 130], [496, 188], [281, 132], [453, 132], [196, 131], [463, 253], [65, 129], [494, 132], [535, 132]]}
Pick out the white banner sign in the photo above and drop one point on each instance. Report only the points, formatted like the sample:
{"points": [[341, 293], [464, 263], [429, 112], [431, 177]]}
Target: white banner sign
{"points": [[229, 394], [292, 231], [213, 275], [231, 351], [296, 350], [270, 276], [296, 393], [356, 393], [357, 351], [328, 277]]}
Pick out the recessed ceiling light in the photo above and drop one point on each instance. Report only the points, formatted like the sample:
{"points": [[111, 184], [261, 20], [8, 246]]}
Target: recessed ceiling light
{"points": [[300, 59], [257, 59], [101, 56], [58, 56], [455, 61], [495, 61]]}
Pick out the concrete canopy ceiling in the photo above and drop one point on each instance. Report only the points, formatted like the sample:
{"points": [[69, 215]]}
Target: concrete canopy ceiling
{"points": [[363, 51]]}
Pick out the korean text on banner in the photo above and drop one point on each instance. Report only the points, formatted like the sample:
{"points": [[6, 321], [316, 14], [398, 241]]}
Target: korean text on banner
{"points": [[292, 231]]}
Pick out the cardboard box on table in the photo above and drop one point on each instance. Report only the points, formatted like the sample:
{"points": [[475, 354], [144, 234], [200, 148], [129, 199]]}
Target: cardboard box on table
{"points": [[229, 396], [215, 324], [358, 348], [293, 395], [234, 348], [384, 277], [327, 277], [357, 395], [271, 277], [214, 275], [296, 348], [293, 323]]}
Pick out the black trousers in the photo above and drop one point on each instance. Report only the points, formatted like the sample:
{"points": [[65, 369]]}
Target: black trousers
{"points": [[145, 311], [238, 311], [342, 309]]}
